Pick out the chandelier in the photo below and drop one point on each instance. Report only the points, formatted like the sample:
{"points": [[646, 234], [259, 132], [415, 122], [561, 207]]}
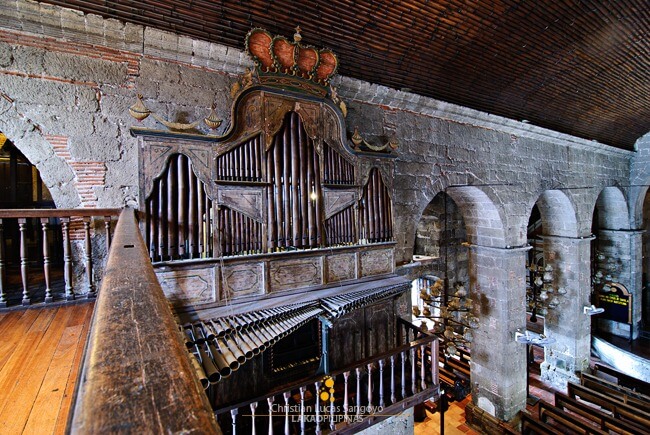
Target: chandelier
{"points": [[606, 273], [540, 294], [449, 309]]}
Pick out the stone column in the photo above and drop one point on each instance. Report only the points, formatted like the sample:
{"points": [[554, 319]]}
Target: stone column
{"points": [[624, 247], [498, 368], [571, 261]]}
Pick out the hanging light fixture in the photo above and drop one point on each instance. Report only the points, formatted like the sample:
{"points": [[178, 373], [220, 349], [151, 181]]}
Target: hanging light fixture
{"points": [[447, 306], [540, 294]]}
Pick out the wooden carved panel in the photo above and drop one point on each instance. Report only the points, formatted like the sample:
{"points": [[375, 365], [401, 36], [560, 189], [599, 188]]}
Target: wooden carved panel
{"points": [[243, 280], [337, 200], [347, 340], [341, 267], [379, 327], [188, 286], [293, 274], [246, 200], [376, 262], [332, 131], [310, 115], [275, 108]]}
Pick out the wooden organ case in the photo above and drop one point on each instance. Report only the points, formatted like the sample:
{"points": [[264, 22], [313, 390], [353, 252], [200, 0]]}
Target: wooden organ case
{"points": [[282, 210]]}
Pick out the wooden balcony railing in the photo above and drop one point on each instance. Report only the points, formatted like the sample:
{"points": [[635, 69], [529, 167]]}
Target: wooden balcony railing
{"points": [[40, 242], [346, 400], [136, 376]]}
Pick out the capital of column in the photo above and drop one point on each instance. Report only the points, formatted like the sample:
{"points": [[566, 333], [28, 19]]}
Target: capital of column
{"points": [[495, 249], [626, 233], [568, 240]]}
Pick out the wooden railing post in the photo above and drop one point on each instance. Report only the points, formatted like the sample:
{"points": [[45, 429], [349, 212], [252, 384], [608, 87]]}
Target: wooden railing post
{"points": [[24, 266], [253, 407], [67, 259], [107, 229], [88, 259], [3, 299], [270, 401], [46, 260]]}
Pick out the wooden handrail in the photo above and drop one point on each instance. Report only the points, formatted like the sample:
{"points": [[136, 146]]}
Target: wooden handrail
{"points": [[57, 212], [136, 376]]}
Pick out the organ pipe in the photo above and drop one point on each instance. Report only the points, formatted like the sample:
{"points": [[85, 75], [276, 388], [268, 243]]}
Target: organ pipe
{"points": [[375, 210], [178, 213]]}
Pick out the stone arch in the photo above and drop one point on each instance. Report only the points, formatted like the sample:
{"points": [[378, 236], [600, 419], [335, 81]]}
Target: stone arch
{"points": [[613, 209], [483, 222], [558, 214], [29, 139]]}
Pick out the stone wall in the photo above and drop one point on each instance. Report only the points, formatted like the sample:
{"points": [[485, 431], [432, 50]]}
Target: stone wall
{"points": [[67, 81]]}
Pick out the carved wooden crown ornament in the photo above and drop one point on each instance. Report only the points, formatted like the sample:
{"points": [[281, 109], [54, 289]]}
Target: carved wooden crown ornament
{"points": [[290, 64]]}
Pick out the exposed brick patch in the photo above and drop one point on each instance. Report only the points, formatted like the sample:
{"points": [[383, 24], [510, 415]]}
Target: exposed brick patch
{"points": [[60, 145], [77, 228], [89, 175]]}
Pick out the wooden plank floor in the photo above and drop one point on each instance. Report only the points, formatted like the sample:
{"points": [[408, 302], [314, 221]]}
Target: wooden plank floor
{"points": [[40, 357]]}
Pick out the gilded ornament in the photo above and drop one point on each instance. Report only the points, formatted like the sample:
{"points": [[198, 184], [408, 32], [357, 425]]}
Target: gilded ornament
{"points": [[212, 120], [356, 137], [138, 110]]}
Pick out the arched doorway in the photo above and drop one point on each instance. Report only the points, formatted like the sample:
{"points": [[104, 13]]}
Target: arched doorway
{"points": [[440, 297], [21, 187]]}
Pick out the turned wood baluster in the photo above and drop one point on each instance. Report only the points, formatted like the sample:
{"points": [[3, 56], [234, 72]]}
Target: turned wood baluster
{"points": [[67, 259], [253, 408], [3, 299], [358, 370], [331, 393], [286, 395], [369, 385], [88, 259], [270, 401], [233, 414], [107, 231], [24, 272], [413, 371], [434, 362], [302, 409], [381, 383], [403, 354], [346, 402], [423, 382], [393, 398], [317, 384], [46, 261]]}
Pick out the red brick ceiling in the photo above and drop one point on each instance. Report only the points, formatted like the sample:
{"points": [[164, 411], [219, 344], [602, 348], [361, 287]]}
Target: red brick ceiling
{"points": [[575, 66]]}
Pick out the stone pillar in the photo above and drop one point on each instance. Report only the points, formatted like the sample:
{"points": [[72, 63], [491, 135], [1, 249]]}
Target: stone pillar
{"points": [[498, 367], [624, 247], [567, 323]]}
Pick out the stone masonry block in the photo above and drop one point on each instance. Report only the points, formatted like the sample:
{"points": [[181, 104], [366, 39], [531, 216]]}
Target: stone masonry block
{"points": [[73, 24]]}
